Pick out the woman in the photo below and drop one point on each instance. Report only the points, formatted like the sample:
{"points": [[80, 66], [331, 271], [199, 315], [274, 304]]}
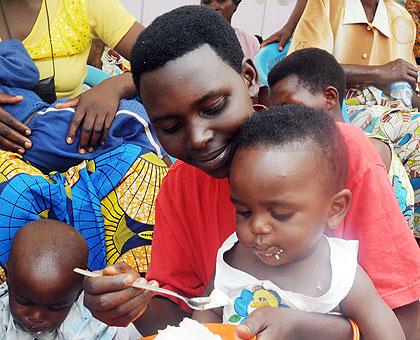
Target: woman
{"points": [[66, 28], [110, 199]]}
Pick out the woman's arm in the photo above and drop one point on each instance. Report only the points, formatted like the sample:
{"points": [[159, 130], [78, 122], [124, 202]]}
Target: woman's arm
{"points": [[381, 76], [160, 313], [284, 34], [96, 108], [373, 316], [409, 317], [126, 44], [210, 315]]}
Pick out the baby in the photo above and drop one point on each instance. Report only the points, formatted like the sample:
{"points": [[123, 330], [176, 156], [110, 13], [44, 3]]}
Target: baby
{"points": [[41, 297], [49, 150], [288, 184]]}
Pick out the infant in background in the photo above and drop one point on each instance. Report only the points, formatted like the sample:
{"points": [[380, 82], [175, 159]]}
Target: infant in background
{"points": [[41, 298]]}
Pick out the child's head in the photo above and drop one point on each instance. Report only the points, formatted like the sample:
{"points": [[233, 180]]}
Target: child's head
{"points": [[97, 48], [225, 7], [188, 67], [40, 277], [288, 179], [311, 77]]}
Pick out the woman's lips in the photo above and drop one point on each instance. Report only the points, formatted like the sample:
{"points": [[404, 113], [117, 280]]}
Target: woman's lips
{"points": [[215, 160]]}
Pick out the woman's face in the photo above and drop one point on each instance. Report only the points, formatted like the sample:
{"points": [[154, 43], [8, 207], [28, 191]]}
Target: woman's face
{"points": [[196, 104], [225, 7]]}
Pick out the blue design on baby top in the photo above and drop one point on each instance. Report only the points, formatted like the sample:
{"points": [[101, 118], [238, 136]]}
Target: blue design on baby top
{"points": [[249, 300]]}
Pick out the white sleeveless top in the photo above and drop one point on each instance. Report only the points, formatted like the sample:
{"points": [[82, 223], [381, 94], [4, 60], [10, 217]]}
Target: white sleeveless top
{"points": [[246, 293]]}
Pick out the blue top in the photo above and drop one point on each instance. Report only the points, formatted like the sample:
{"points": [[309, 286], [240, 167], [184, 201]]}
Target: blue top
{"points": [[49, 126], [18, 76]]}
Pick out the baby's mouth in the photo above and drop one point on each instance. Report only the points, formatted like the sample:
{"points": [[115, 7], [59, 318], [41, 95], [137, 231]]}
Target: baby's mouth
{"points": [[271, 252]]}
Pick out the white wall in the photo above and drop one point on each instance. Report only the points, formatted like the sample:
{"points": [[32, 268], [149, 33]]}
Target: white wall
{"points": [[261, 17]]}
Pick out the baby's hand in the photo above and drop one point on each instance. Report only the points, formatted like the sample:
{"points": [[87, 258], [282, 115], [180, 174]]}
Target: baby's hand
{"points": [[269, 323]]}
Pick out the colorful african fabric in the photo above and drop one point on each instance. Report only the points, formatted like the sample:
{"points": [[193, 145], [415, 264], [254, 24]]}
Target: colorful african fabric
{"points": [[392, 121], [247, 293], [400, 183], [110, 200]]}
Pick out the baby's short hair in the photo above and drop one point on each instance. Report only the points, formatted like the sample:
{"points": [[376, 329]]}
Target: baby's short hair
{"points": [[315, 70], [48, 243], [180, 31], [298, 125]]}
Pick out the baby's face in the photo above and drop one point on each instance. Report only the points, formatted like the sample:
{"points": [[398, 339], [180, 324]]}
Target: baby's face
{"points": [[290, 91], [38, 306], [280, 201]]}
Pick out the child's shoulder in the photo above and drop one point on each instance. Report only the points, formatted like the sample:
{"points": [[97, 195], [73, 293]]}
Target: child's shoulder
{"points": [[80, 324]]}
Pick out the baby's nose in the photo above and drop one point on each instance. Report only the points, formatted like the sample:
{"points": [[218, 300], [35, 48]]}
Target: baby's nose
{"points": [[37, 316]]}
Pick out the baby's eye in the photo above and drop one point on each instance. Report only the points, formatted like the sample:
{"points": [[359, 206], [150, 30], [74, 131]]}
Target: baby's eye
{"points": [[243, 213], [282, 217], [21, 301], [57, 308]]}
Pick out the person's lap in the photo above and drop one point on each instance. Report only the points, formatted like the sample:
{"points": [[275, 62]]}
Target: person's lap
{"points": [[110, 200]]}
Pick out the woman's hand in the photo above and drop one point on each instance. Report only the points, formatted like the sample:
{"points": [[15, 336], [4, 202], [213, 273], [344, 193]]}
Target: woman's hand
{"points": [[13, 134], [397, 70], [282, 37], [95, 110], [111, 299]]}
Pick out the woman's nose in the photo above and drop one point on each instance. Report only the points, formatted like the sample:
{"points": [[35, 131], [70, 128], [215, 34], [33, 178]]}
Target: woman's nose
{"points": [[199, 137]]}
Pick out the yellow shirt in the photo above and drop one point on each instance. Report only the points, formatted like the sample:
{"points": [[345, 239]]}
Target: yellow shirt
{"points": [[73, 24], [341, 28]]}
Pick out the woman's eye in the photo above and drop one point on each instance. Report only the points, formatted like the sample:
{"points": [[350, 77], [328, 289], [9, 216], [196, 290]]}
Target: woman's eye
{"points": [[170, 129], [282, 216], [216, 107]]}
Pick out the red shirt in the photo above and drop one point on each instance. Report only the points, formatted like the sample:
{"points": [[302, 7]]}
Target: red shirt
{"points": [[194, 216]]}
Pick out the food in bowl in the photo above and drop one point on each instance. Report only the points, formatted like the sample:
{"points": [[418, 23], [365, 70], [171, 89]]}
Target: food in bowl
{"points": [[188, 330]]}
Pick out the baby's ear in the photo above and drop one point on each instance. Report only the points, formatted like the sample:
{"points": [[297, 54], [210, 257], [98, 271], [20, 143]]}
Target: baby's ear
{"points": [[340, 204]]}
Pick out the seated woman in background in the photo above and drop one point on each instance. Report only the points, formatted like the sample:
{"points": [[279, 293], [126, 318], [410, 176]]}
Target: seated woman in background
{"points": [[373, 40], [109, 199], [64, 29]]}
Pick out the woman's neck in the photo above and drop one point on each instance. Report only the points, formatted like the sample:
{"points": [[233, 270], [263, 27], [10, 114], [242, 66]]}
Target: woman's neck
{"points": [[20, 17], [370, 7]]}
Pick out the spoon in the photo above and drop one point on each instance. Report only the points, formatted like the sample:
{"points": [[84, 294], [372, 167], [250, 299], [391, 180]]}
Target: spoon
{"points": [[197, 303]]}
